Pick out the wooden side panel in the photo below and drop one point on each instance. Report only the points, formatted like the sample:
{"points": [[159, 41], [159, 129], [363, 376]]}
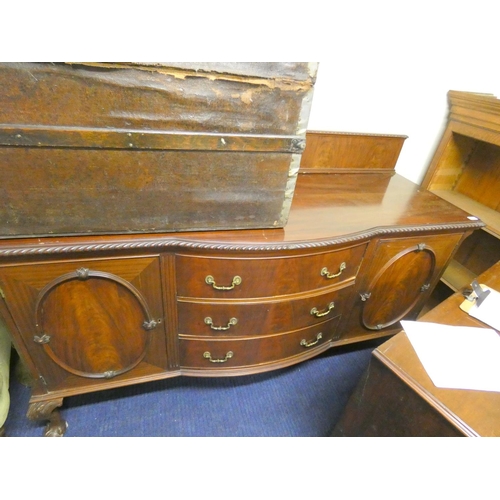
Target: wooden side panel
{"points": [[478, 252], [384, 406], [480, 180], [473, 119], [449, 161]]}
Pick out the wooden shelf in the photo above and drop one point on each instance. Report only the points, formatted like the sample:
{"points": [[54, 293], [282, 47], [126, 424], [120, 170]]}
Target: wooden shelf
{"points": [[465, 171], [489, 216], [457, 276]]}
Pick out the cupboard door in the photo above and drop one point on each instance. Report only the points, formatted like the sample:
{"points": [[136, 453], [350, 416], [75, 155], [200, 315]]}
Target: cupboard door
{"points": [[401, 277], [89, 319]]}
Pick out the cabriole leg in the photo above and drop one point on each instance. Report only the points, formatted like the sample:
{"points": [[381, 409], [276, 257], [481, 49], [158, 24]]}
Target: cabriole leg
{"points": [[48, 410]]}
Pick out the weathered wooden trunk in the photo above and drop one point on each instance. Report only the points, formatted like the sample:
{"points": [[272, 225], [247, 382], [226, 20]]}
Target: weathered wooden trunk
{"points": [[157, 147]]}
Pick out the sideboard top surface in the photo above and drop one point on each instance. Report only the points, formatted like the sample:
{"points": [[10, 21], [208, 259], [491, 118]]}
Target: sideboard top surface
{"points": [[327, 209]]}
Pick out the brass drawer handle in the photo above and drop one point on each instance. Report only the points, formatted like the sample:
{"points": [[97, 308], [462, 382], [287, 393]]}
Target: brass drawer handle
{"points": [[232, 322], [324, 271], [208, 356], [209, 280], [305, 343], [315, 312]]}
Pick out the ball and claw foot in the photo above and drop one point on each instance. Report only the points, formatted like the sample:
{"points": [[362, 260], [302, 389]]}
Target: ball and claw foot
{"points": [[48, 410]]}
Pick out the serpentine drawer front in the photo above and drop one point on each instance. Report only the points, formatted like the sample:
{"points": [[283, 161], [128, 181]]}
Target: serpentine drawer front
{"points": [[239, 318], [226, 354], [258, 308], [265, 277]]}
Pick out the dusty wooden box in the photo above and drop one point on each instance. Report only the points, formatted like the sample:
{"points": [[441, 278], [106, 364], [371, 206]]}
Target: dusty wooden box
{"points": [[157, 147]]}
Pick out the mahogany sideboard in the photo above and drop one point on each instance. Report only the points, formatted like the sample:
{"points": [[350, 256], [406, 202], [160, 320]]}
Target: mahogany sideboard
{"points": [[360, 252]]}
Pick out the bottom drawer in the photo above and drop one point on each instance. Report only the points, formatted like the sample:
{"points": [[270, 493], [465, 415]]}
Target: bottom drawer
{"points": [[218, 354]]}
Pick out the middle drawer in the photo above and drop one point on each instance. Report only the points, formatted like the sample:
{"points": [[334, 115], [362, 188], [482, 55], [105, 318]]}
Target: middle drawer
{"points": [[254, 318]]}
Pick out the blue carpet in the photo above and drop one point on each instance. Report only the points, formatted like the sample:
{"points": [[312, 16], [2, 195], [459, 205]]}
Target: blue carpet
{"points": [[303, 400]]}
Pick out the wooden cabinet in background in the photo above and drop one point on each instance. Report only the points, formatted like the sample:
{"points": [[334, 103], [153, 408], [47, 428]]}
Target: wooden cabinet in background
{"points": [[362, 250], [465, 171]]}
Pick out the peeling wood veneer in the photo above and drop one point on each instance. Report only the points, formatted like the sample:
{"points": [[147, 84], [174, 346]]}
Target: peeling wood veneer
{"points": [[128, 148]]}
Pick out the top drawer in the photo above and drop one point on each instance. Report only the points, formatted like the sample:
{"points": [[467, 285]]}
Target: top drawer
{"points": [[233, 278]]}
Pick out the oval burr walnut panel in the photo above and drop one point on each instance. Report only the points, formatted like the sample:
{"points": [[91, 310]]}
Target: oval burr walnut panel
{"points": [[398, 287], [89, 320], [93, 324], [401, 276]]}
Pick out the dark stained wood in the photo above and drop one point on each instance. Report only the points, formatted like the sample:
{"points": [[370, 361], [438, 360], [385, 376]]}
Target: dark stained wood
{"points": [[258, 318], [56, 426], [88, 340], [449, 312], [254, 351], [480, 181], [95, 325], [396, 397], [478, 253], [396, 281], [266, 275], [127, 148], [398, 286], [384, 406]]}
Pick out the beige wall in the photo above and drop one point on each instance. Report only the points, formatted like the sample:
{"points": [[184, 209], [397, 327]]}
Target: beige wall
{"points": [[388, 71], [385, 66]]}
